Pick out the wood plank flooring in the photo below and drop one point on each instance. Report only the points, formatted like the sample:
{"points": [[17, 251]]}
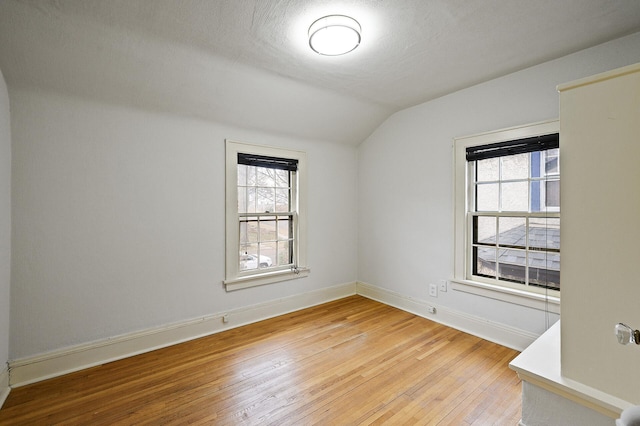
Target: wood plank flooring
{"points": [[349, 362]]}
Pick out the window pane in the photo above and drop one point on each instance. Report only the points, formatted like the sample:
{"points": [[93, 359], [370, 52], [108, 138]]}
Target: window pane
{"points": [[282, 178], [515, 166], [266, 176], [267, 229], [535, 161], [484, 261], [544, 233], [544, 269], [251, 200], [266, 200], [244, 237], [284, 253], [251, 175], [552, 193], [537, 197], [487, 197], [284, 232], [551, 163], [249, 229], [242, 200], [512, 231], [267, 254], [511, 265], [484, 230], [515, 197], [282, 199], [488, 170], [242, 175], [248, 257]]}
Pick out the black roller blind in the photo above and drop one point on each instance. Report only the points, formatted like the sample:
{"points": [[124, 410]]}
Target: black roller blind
{"points": [[519, 146], [289, 164]]}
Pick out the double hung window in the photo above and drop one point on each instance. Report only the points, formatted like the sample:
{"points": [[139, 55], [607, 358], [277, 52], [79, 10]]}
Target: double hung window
{"points": [[266, 212], [265, 215], [509, 211]]}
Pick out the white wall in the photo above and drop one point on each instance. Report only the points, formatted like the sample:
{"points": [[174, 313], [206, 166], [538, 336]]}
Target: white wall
{"points": [[5, 225], [405, 231], [119, 220]]}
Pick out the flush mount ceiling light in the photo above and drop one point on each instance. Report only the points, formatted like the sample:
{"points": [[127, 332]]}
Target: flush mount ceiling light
{"points": [[334, 35]]}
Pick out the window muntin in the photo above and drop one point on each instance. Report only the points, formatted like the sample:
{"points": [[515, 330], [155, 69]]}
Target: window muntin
{"points": [[514, 220]]}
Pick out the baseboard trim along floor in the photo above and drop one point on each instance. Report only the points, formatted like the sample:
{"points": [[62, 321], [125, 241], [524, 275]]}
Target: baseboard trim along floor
{"points": [[34, 369]]}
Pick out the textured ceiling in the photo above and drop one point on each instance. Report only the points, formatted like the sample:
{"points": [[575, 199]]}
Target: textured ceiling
{"points": [[247, 62]]}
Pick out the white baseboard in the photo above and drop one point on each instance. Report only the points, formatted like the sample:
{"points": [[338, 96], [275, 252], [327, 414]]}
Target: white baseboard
{"points": [[4, 385], [504, 335], [34, 369]]}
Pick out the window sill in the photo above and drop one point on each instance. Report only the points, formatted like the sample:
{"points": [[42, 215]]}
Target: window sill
{"points": [[267, 278], [510, 295]]}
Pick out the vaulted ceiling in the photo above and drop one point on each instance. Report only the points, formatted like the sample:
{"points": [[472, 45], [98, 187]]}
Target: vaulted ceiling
{"points": [[247, 62]]}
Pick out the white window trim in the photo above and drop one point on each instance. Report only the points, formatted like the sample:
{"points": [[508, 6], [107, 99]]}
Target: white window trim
{"points": [[461, 184], [234, 280]]}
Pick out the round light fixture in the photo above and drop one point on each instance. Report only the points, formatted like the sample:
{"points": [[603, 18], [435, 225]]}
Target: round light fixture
{"points": [[334, 35]]}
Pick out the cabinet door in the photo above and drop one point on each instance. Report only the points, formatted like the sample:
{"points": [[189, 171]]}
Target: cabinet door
{"points": [[600, 197]]}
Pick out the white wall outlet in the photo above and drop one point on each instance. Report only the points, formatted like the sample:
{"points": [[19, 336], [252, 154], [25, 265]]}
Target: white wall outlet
{"points": [[225, 319], [433, 290], [431, 310], [443, 285]]}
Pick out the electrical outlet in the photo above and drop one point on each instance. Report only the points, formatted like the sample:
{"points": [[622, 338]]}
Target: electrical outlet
{"points": [[431, 310], [433, 290], [443, 285], [225, 318]]}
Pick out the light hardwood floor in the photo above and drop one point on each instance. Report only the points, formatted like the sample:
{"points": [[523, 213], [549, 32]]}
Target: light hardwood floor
{"points": [[349, 362]]}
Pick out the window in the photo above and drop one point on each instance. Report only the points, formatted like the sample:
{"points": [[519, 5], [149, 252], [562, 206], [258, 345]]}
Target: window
{"points": [[265, 215], [508, 209]]}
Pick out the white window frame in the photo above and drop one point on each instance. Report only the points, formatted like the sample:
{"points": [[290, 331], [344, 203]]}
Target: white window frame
{"points": [[234, 278], [462, 281]]}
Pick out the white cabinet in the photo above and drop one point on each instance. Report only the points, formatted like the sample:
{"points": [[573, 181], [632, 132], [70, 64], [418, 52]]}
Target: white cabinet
{"points": [[600, 236]]}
